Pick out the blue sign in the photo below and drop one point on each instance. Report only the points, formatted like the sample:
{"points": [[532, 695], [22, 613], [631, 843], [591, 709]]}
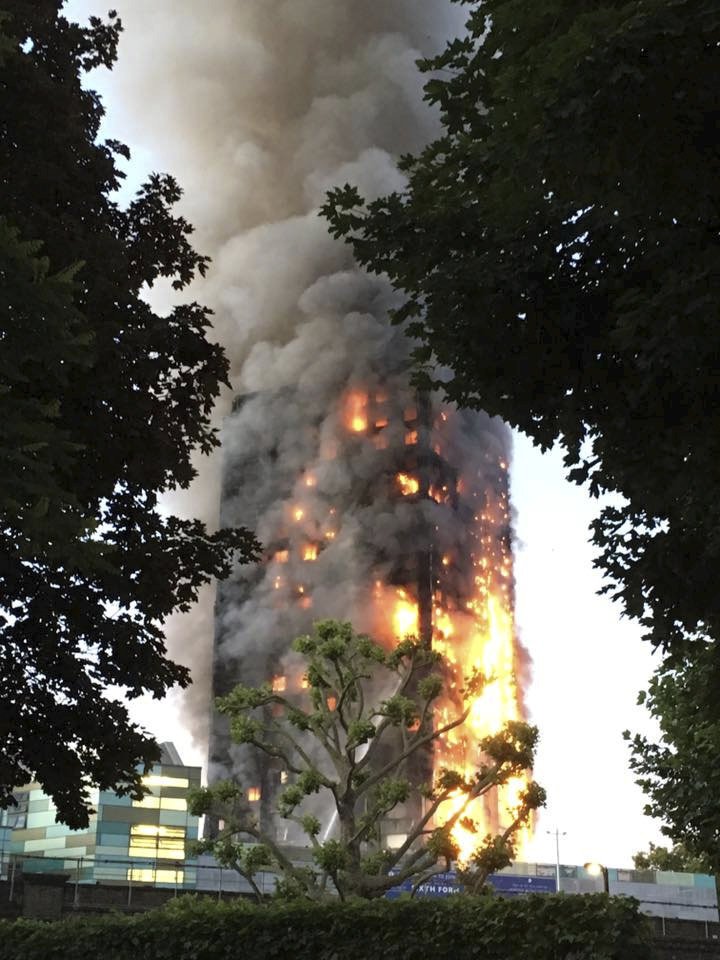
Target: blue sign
{"points": [[510, 884], [446, 884], [441, 885]]}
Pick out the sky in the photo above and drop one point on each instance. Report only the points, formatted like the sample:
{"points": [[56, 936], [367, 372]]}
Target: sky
{"points": [[588, 662]]}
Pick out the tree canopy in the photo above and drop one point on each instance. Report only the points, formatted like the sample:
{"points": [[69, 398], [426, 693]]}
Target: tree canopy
{"points": [[363, 758], [676, 858], [102, 403], [557, 249]]}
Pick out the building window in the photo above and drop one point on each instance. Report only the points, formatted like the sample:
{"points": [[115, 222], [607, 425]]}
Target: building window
{"points": [[156, 780], [151, 875], [253, 794]]}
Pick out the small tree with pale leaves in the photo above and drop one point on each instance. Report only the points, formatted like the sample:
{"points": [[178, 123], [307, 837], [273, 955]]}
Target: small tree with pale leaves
{"points": [[358, 751]]}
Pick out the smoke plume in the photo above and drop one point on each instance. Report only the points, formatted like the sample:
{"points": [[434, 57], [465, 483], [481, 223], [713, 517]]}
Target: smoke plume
{"points": [[258, 107]]}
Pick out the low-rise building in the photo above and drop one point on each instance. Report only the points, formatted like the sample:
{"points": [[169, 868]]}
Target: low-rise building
{"points": [[126, 841]]}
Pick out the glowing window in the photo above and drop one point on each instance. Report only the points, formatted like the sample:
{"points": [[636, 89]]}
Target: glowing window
{"points": [[282, 556], [279, 684], [411, 438], [147, 853], [253, 794], [149, 875], [156, 780], [173, 803], [331, 702], [283, 776], [150, 830]]}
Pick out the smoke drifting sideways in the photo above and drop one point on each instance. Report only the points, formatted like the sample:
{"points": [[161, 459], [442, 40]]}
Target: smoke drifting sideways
{"points": [[258, 107]]}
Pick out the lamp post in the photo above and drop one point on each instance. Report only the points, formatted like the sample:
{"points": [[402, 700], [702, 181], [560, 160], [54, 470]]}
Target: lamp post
{"points": [[597, 870], [557, 833]]}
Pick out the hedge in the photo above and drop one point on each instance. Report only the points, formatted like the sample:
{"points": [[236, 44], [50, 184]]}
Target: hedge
{"points": [[460, 928]]}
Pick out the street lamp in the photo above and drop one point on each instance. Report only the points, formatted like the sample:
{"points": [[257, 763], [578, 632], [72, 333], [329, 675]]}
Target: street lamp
{"points": [[596, 870], [557, 833]]}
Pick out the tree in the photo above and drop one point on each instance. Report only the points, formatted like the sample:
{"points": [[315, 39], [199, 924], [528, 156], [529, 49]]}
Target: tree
{"points": [[678, 858], [557, 251], [103, 403], [365, 758], [681, 782]]}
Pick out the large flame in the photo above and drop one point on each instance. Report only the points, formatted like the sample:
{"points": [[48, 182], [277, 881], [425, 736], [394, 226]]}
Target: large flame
{"points": [[478, 638], [472, 624]]}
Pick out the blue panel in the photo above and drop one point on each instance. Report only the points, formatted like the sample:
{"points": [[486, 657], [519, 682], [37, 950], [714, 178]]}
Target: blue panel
{"points": [[443, 885], [510, 884], [117, 827], [113, 800]]}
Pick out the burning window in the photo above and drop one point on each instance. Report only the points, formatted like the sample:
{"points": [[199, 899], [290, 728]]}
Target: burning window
{"points": [[411, 438], [310, 551], [253, 794], [381, 423], [304, 683], [284, 776], [279, 684], [356, 418], [298, 514], [282, 556], [331, 702], [310, 480], [408, 484]]}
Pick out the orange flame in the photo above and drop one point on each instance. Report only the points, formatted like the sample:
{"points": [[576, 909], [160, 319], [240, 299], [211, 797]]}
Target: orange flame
{"points": [[408, 485], [356, 418], [310, 551]]}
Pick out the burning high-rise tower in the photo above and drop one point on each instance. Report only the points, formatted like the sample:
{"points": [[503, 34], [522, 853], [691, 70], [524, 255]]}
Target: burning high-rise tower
{"points": [[371, 505], [379, 504]]}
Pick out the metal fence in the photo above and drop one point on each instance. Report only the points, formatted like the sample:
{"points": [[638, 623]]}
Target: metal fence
{"points": [[201, 875]]}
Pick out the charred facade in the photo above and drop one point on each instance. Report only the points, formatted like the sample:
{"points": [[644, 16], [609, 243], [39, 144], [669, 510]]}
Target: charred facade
{"points": [[391, 510]]}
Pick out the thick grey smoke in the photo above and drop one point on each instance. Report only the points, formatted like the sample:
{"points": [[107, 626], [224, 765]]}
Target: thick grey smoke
{"points": [[258, 107]]}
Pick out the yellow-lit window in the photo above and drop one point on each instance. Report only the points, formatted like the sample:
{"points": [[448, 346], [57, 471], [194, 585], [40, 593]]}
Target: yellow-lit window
{"points": [[150, 830], [163, 854], [173, 803], [253, 794], [149, 803], [142, 850], [279, 684], [177, 846], [144, 875], [156, 780]]}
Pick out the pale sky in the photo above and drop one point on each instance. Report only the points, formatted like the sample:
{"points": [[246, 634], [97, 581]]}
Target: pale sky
{"points": [[589, 663]]}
